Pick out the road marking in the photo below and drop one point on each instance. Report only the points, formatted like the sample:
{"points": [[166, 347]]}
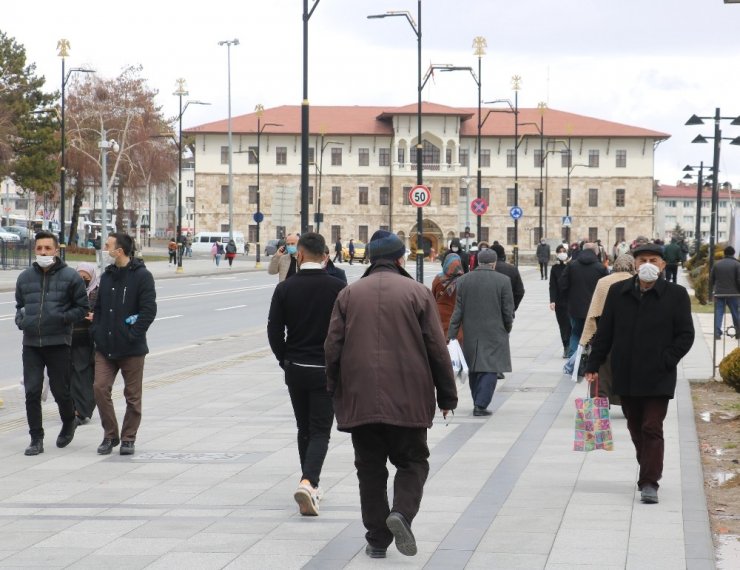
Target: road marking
{"points": [[228, 308], [208, 293], [171, 350], [165, 318], [222, 278]]}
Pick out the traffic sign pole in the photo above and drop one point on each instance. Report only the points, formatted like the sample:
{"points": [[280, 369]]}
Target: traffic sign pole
{"points": [[420, 196]]}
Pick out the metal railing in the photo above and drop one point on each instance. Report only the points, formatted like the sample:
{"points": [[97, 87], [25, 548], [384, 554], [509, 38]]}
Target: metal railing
{"points": [[728, 331], [15, 254]]}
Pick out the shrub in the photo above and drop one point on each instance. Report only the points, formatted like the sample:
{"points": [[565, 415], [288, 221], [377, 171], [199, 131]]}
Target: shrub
{"points": [[699, 278], [729, 369]]}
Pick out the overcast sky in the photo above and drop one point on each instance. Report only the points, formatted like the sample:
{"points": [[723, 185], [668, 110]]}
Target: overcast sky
{"points": [[648, 63]]}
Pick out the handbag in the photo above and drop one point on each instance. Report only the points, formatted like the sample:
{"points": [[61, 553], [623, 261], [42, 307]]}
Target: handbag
{"points": [[459, 365], [593, 428]]}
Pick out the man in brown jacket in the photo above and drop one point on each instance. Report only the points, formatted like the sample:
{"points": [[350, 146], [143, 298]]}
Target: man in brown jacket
{"points": [[386, 356]]}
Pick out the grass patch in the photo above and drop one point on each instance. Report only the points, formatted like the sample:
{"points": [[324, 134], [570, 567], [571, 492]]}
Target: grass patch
{"points": [[697, 307]]}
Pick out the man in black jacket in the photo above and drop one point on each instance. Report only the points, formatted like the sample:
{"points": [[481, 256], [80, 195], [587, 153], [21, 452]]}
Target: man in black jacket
{"points": [[647, 326], [50, 298], [302, 306], [124, 310], [578, 283], [517, 285]]}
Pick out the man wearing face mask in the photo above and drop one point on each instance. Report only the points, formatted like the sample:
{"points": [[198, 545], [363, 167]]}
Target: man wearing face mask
{"points": [[647, 326], [296, 328], [558, 300], [50, 298], [455, 247], [283, 265], [124, 310], [543, 258]]}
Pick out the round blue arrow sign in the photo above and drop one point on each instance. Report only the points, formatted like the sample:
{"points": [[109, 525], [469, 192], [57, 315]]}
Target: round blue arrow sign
{"points": [[516, 212]]}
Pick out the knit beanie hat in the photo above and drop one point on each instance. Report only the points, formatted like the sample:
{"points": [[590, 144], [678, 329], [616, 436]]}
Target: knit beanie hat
{"points": [[385, 245], [487, 256]]}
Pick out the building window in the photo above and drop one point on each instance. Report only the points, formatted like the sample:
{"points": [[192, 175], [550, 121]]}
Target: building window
{"points": [[336, 233], [444, 198], [510, 235], [484, 233], [722, 219], [510, 199], [485, 157], [564, 195], [362, 233], [704, 220], [687, 204], [363, 156], [225, 194], [593, 234], [448, 156], [190, 183], [429, 156], [252, 233], [510, 157], [621, 159], [688, 220], [252, 194], [384, 228], [670, 203], [538, 234], [310, 194], [593, 197], [670, 220], [565, 158], [537, 198], [723, 203], [385, 196], [224, 155], [401, 156], [464, 157], [224, 227], [619, 234], [485, 193], [384, 157], [406, 190], [281, 155], [620, 198], [311, 155], [280, 232], [336, 156], [463, 192], [363, 194], [704, 205], [252, 155], [593, 158], [538, 160]]}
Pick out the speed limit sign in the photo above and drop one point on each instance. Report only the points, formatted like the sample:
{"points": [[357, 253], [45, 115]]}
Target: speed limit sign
{"points": [[420, 196]]}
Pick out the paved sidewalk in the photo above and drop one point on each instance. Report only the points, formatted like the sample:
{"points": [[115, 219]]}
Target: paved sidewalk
{"points": [[211, 483]]}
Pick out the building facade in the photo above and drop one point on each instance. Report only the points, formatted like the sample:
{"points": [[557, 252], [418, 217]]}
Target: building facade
{"points": [[363, 163], [677, 205]]}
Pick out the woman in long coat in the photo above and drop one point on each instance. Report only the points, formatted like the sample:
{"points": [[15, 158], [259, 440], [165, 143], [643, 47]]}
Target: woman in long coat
{"points": [[82, 369], [444, 289]]}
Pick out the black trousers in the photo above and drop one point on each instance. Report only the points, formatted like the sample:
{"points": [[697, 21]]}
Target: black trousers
{"points": [[314, 416], [543, 270], [645, 417], [82, 376], [671, 272], [561, 314], [407, 450], [56, 361]]}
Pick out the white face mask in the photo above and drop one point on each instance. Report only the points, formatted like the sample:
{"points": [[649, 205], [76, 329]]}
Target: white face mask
{"points": [[454, 248], [112, 258], [45, 260], [648, 272], [562, 256]]}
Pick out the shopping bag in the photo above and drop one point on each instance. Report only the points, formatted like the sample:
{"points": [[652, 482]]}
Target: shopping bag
{"points": [[593, 428], [459, 365], [580, 358]]}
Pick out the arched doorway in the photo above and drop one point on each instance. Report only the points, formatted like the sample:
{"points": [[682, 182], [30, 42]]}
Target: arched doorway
{"points": [[433, 239]]}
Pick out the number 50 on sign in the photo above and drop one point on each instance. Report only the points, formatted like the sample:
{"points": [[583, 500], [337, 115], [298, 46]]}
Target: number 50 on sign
{"points": [[420, 196]]}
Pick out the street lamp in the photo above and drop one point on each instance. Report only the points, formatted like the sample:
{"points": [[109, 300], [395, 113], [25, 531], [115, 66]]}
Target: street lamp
{"points": [[304, 117], [416, 27], [63, 52], [180, 92], [695, 120], [320, 169], [258, 216], [228, 44], [699, 189], [542, 106], [104, 145]]}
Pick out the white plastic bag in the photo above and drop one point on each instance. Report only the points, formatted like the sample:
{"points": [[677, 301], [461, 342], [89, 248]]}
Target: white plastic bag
{"points": [[576, 363], [44, 390], [459, 366]]}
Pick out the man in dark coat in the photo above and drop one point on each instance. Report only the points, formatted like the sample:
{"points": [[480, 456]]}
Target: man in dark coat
{"points": [[338, 251], [543, 258], [50, 298], [673, 256], [724, 282], [578, 282], [647, 326], [456, 247], [386, 357], [517, 285], [485, 309], [124, 310], [558, 301]]}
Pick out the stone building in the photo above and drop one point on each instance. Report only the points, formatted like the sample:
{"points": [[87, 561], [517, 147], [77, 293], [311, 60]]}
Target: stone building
{"points": [[363, 163]]}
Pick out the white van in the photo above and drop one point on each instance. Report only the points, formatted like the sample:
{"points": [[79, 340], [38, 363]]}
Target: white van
{"points": [[203, 241]]}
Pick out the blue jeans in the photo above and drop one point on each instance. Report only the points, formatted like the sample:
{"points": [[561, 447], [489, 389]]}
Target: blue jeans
{"points": [[576, 330], [719, 312], [482, 387]]}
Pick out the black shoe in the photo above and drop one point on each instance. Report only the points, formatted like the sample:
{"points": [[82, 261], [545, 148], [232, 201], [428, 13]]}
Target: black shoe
{"points": [[107, 446], [405, 541], [67, 434], [36, 447], [500, 375], [127, 448], [375, 551], [717, 336], [649, 495], [478, 411], [565, 353]]}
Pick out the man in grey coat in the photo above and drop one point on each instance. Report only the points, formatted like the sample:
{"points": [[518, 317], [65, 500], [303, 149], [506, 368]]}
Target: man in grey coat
{"points": [[724, 282], [485, 310]]}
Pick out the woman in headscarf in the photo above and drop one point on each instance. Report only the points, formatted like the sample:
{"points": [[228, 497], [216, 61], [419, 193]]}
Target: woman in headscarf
{"points": [[444, 289], [624, 268], [83, 350]]}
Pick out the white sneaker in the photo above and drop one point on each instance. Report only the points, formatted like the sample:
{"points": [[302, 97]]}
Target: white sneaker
{"points": [[307, 498]]}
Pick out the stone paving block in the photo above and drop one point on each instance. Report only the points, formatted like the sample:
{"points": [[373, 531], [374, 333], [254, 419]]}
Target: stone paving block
{"points": [[544, 521], [488, 560], [45, 557], [170, 528], [516, 541], [601, 556], [17, 540], [250, 561], [657, 562], [142, 545], [193, 561], [117, 562]]}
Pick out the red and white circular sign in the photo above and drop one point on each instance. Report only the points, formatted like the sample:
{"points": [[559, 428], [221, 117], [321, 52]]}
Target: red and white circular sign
{"points": [[420, 196]]}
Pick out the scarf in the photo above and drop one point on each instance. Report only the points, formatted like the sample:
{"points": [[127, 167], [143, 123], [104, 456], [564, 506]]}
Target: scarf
{"points": [[90, 268], [451, 270]]}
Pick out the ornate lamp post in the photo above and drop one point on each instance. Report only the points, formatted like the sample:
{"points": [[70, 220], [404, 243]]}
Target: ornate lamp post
{"points": [[228, 44], [258, 216], [304, 117]]}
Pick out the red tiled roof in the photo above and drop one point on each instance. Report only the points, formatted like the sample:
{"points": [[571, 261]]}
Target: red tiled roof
{"points": [[361, 120], [688, 191]]}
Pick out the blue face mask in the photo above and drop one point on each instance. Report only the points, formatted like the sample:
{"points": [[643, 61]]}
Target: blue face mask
{"points": [[291, 249]]}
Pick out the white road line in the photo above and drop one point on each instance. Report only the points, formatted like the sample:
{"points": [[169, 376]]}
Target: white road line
{"points": [[229, 308], [171, 350], [209, 293], [170, 317], [222, 278]]}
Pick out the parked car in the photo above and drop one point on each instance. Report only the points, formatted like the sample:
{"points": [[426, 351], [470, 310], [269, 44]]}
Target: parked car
{"points": [[24, 234], [9, 237], [272, 246], [359, 250]]}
